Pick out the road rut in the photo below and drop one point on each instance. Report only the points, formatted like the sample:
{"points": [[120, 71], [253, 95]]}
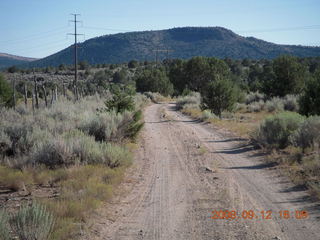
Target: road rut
{"points": [[186, 169]]}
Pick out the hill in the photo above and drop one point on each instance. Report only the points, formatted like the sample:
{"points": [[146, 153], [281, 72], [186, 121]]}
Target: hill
{"points": [[184, 42], [7, 60]]}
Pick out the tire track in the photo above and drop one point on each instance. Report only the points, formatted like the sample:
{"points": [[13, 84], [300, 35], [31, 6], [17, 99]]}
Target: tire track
{"points": [[180, 186]]}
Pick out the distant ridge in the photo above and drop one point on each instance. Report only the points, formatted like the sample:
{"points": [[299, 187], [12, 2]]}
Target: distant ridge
{"points": [[7, 60], [185, 42]]}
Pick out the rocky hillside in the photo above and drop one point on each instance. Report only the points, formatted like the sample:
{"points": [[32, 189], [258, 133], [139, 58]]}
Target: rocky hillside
{"points": [[184, 42]]}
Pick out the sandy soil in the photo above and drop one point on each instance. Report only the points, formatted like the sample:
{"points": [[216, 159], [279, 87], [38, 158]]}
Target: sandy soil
{"points": [[186, 169]]}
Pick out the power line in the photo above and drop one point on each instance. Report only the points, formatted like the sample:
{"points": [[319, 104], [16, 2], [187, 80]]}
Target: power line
{"points": [[43, 48], [75, 34], [56, 31]]}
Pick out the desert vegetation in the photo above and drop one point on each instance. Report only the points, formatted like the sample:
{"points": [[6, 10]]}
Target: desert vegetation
{"points": [[75, 139], [276, 111], [63, 158]]}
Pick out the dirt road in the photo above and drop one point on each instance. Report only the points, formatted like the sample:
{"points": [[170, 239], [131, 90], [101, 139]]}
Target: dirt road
{"points": [[186, 169]]}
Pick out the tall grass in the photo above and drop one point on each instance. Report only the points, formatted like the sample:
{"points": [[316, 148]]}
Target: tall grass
{"points": [[33, 222], [4, 226]]}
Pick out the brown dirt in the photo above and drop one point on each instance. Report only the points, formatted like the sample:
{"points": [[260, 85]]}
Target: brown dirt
{"points": [[184, 170]]}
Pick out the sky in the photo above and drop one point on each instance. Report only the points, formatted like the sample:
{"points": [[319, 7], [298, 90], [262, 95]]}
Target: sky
{"points": [[38, 28]]}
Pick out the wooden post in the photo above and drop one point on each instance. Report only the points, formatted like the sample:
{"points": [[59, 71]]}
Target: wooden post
{"points": [[56, 93], [33, 100], [35, 90], [64, 90], [82, 92], [25, 95], [76, 92], [45, 95], [52, 96], [14, 93], [36, 93]]}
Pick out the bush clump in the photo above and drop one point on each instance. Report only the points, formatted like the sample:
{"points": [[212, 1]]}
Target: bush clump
{"points": [[207, 115], [4, 226], [193, 98], [274, 104], [33, 222], [155, 97], [290, 103], [5, 92], [79, 148], [220, 95], [254, 97], [256, 106], [121, 101], [307, 135], [275, 130]]}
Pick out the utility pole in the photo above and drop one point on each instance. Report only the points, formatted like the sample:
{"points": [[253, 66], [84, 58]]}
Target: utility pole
{"points": [[75, 34], [162, 50]]}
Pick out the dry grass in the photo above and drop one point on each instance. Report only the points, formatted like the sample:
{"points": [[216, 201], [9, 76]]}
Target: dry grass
{"points": [[242, 124], [202, 150], [81, 191], [15, 180], [157, 97], [302, 169]]}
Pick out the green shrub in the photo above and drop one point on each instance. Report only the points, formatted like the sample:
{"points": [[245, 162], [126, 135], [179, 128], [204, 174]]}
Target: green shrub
{"points": [[193, 98], [220, 95], [275, 104], [5, 92], [5, 143], [78, 148], [120, 102], [65, 134], [290, 103], [207, 115], [135, 125], [101, 125], [108, 126], [256, 106], [275, 130], [307, 135], [240, 107], [309, 101], [133, 64], [32, 222], [154, 80], [116, 155], [254, 97], [191, 106], [141, 101], [155, 97], [54, 153], [4, 226]]}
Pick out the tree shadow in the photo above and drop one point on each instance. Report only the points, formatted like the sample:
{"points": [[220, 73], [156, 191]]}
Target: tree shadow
{"points": [[296, 188], [256, 167], [6, 191], [229, 140], [164, 121], [237, 150], [188, 121]]}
